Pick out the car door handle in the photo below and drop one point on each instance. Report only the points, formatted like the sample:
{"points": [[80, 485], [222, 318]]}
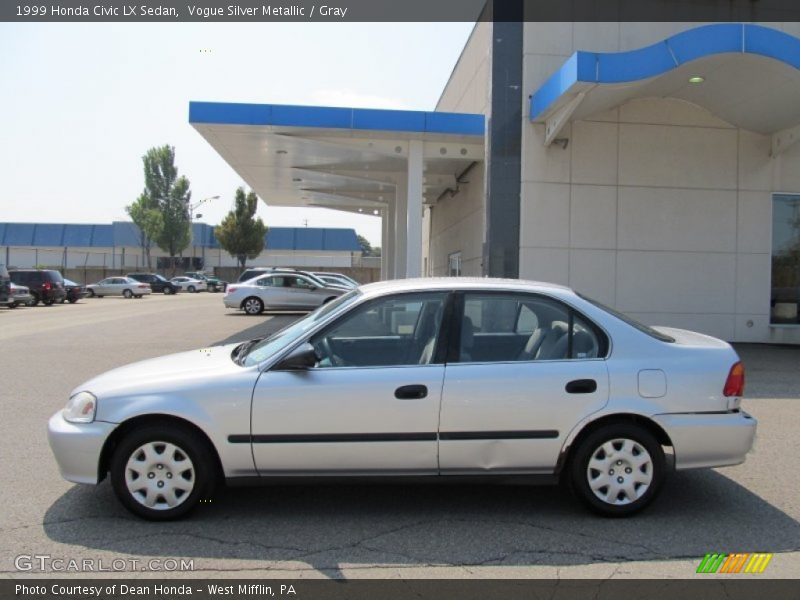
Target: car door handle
{"points": [[581, 386], [411, 392]]}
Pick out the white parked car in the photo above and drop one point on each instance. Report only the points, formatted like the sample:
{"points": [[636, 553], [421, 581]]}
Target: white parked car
{"points": [[118, 286], [430, 377], [189, 284], [279, 290]]}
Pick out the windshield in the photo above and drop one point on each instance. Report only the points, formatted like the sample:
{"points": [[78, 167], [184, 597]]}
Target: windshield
{"points": [[268, 347], [630, 321]]}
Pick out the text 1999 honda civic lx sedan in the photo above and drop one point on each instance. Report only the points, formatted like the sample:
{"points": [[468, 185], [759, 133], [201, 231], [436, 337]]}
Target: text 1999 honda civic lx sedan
{"points": [[428, 378]]}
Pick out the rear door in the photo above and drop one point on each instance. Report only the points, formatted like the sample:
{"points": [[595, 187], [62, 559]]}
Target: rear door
{"points": [[525, 370]]}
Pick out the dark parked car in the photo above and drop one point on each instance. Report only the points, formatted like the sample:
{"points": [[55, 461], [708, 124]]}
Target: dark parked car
{"points": [[158, 283], [46, 286], [214, 284], [75, 291]]}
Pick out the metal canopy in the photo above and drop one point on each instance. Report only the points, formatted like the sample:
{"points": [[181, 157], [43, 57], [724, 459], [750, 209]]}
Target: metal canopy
{"points": [[346, 159], [748, 75], [381, 162]]}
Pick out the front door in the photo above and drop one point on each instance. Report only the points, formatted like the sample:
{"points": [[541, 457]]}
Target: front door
{"points": [[528, 370], [370, 406]]}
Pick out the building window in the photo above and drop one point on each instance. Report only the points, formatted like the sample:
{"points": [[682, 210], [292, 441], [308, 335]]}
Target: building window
{"points": [[454, 264], [785, 299]]}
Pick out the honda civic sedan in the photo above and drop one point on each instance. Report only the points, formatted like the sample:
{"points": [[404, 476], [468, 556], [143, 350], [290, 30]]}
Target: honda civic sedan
{"points": [[433, 378]]}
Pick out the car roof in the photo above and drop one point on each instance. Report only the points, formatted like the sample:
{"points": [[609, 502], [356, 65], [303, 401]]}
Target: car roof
{"points": [[461, 283]]}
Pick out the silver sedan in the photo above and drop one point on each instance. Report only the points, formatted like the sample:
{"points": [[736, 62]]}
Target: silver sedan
{"points": [[431, 377], [118, 286], [279, 290]]}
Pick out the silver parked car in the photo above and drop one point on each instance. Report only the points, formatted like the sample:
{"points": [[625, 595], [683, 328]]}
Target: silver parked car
{"points": [[281, 291], [190, 284], [20, 296], [336, 279], [118, 286], [431, 377]]}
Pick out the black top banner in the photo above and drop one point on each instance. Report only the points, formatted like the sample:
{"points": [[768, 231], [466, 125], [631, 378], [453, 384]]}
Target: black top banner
{"points": [[141, 11]]}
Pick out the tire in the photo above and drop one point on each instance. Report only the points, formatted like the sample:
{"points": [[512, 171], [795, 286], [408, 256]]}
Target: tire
{"points": [[90, 293], [191, 289], [138, 296], [13, 305], [62, 301], [188, 470], [73, 300], [48, 301], [35, 300], [253, 306], [128, 294], [100, 296], [166, 291], [212, 289], [637, 464]]}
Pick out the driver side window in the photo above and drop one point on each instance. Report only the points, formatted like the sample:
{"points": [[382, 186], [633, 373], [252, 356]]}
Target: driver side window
{"points": [[397, 331]]}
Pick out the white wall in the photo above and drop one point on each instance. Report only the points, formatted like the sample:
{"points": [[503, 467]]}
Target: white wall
{"points": [[457, 223], [26, 257], [657, 207]]}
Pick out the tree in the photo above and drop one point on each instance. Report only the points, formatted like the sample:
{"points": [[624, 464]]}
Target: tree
{"points": [[144, 213], [366, 248], [169, 195], [241, 234]]}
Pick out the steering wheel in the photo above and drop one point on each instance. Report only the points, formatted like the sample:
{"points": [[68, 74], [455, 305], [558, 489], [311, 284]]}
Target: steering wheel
{"points": [[327, 352]]}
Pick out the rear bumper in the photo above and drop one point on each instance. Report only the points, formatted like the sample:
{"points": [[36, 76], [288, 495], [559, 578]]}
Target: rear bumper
{"points": [[77, 447], [709, 440], [232, 302]]}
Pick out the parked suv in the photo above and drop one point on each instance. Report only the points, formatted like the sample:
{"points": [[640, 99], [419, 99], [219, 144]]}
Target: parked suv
{"points": [[158, 283], [46, 286], [214, 284]]}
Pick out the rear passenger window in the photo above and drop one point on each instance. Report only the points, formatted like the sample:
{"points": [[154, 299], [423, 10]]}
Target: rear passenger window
{"points": [[524, 327]]}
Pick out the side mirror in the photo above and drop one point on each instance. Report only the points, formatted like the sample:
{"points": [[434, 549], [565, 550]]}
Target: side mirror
{"points": [[301, 358]]}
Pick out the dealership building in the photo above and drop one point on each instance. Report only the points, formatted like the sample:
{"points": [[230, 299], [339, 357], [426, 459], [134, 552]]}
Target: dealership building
{"points": [[652, 166]]}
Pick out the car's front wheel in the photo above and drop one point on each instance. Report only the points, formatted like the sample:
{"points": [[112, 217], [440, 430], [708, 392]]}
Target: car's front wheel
{"points": [[161, 472], [253, 306], [90, 293], [192, 289], [618, 469]]}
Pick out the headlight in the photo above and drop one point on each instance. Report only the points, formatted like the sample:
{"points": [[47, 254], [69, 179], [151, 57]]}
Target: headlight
{"points": [[81, 408]]}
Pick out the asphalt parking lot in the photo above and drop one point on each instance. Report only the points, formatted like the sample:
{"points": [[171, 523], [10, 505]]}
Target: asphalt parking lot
{"points": [[355, 530]]}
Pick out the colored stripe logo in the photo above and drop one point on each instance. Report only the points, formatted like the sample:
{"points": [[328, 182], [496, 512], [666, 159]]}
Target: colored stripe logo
{"points": [[740, 562]]}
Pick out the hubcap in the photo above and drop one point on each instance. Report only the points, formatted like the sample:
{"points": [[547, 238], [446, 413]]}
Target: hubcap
{"points": [[159, 475], [620, 471], [252, 306]]}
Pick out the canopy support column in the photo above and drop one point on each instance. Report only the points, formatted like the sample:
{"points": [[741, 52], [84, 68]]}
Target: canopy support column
{"points": [[414, 193], [400, 233]]}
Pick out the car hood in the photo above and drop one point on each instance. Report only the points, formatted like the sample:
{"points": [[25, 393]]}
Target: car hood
{"points": [[166, 373]]}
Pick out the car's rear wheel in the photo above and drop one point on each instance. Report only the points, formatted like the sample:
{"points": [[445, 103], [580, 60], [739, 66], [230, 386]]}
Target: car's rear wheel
{"points": [[253, 306], [90, 293], [618, 469], [127, 293], [73, 300], [13, 305], [48, 301], [162, 472], [35, 300]]}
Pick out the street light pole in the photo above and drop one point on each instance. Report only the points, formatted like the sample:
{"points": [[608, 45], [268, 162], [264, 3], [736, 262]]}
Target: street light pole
{"points": [[192, 208]]}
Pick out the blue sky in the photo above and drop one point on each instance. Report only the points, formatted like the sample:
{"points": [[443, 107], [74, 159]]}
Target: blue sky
{"points": [[81, 103]]}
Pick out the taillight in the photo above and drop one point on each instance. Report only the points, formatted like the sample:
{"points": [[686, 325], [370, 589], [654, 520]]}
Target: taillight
{"points": [[46, 285], [230, 288], [734, 385]]}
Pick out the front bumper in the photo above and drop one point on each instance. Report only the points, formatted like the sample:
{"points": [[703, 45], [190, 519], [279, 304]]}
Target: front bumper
{"points": [[709, 439], [77, 447]]}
